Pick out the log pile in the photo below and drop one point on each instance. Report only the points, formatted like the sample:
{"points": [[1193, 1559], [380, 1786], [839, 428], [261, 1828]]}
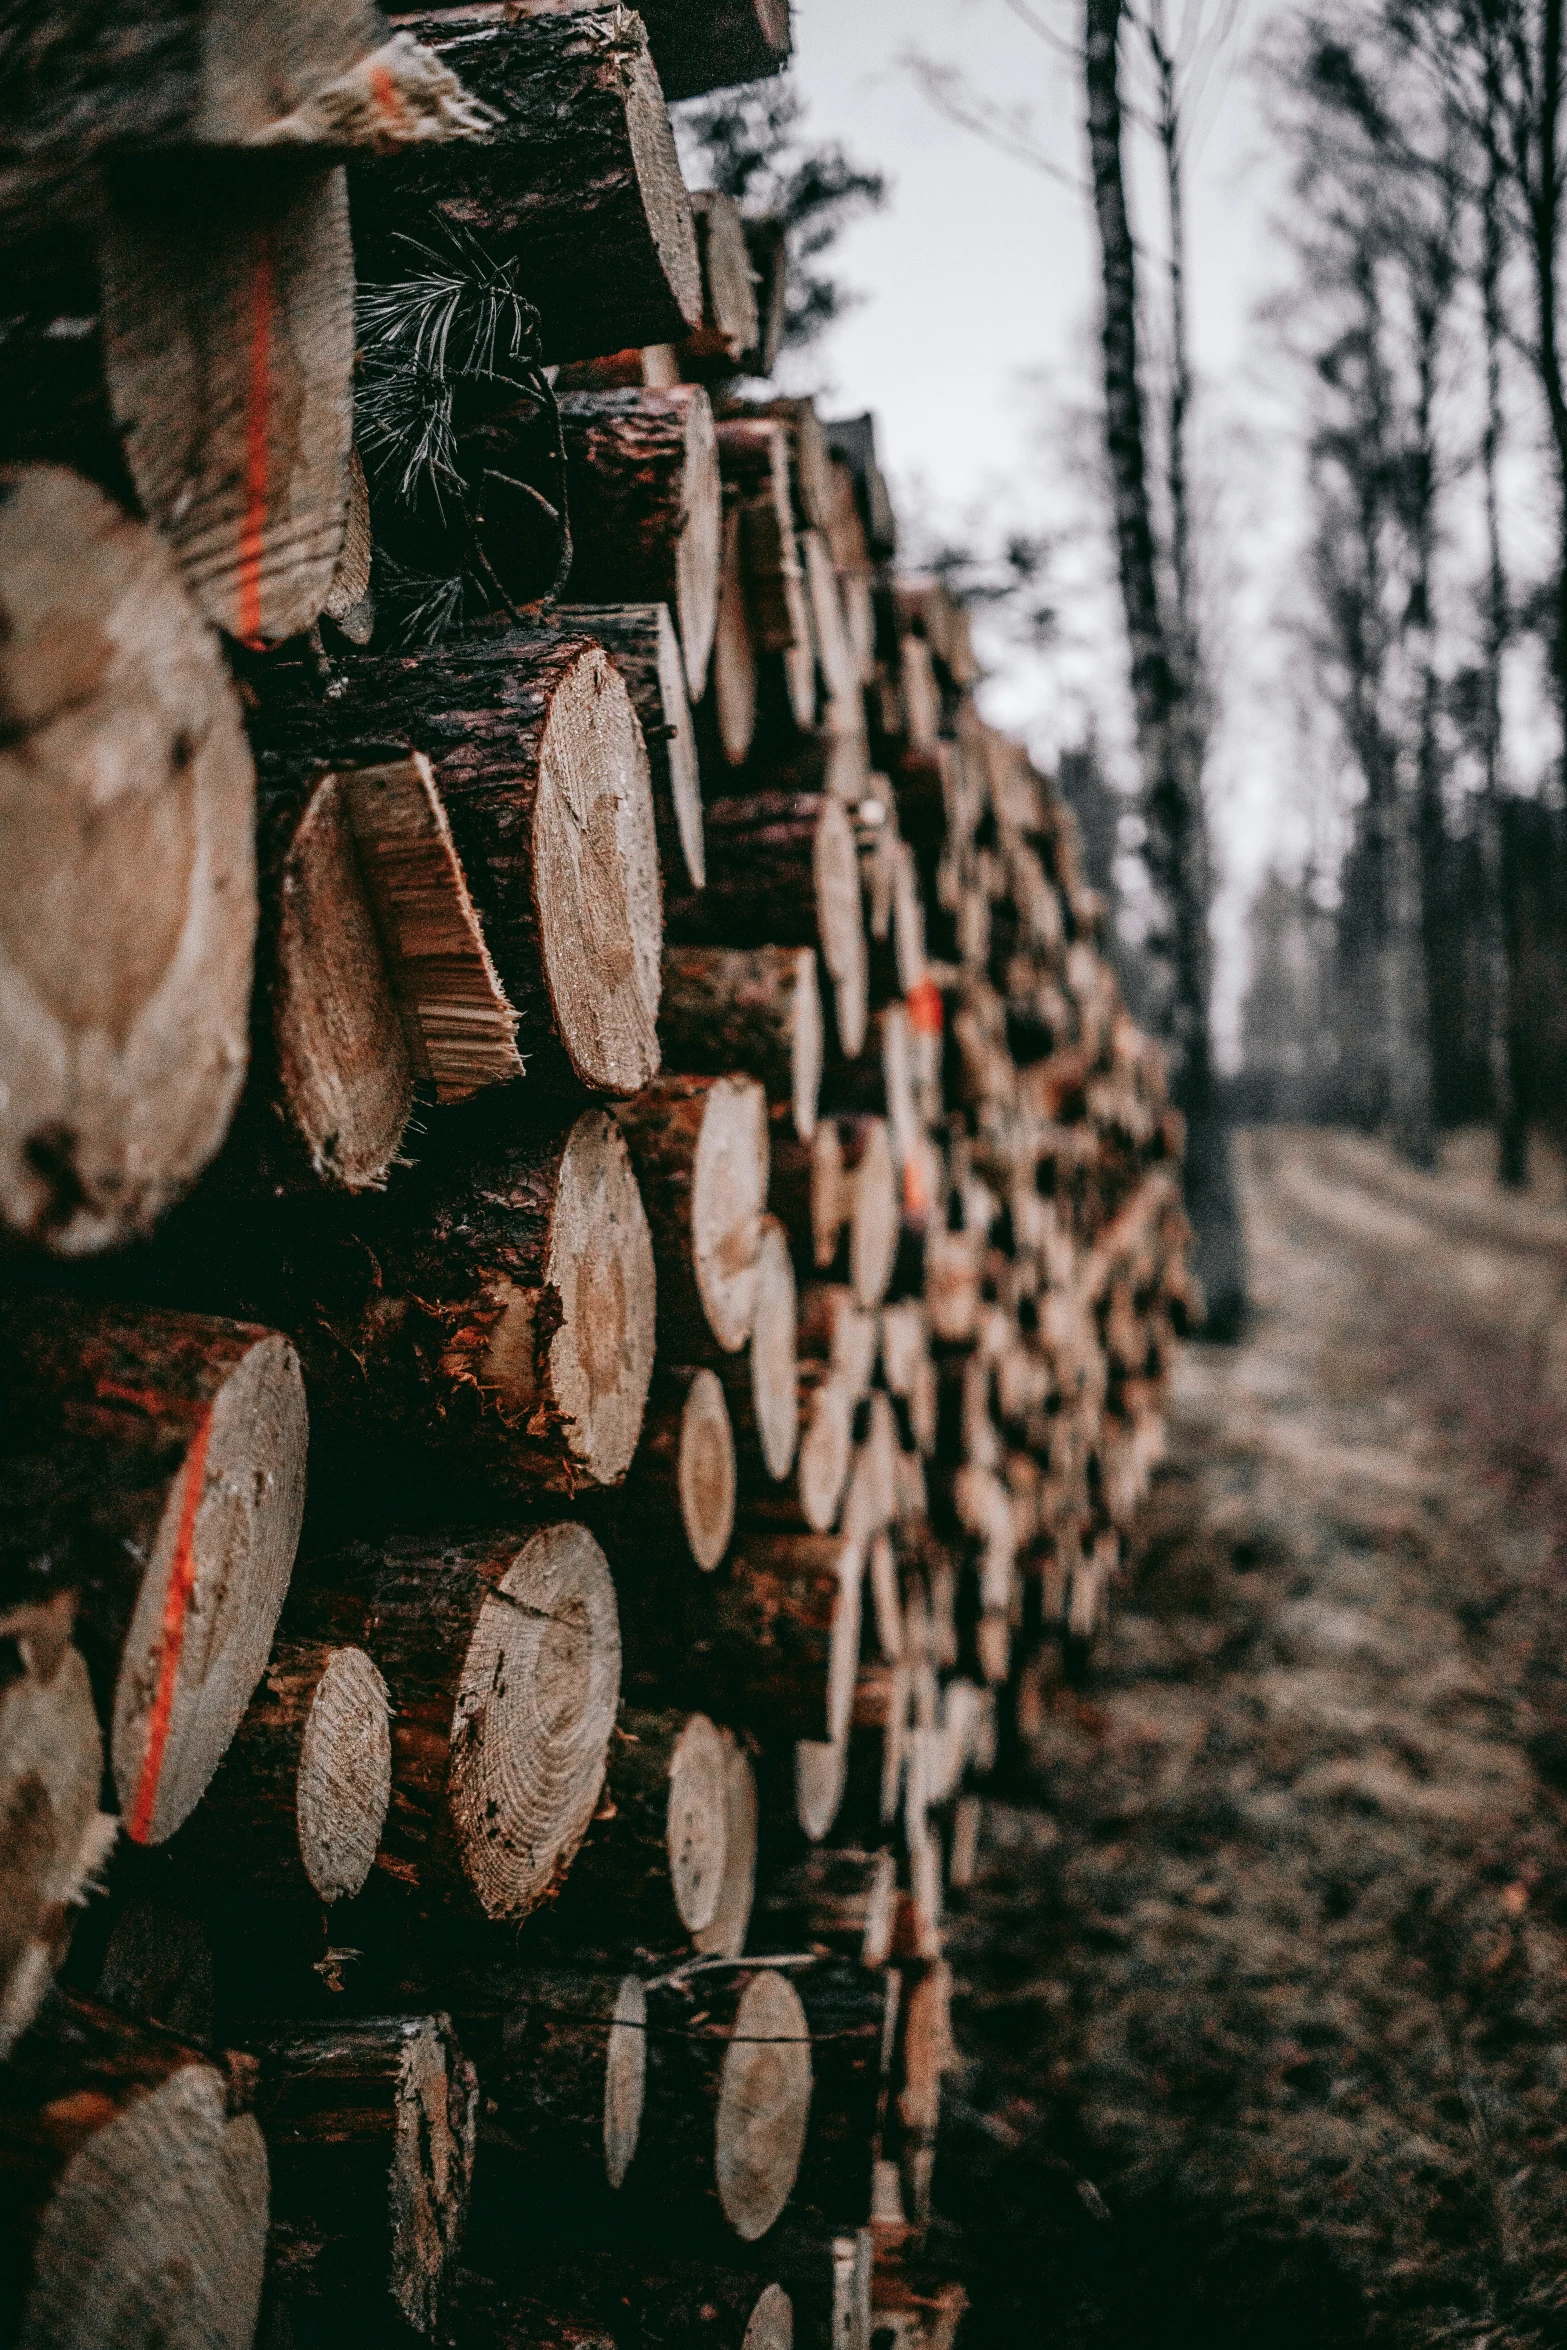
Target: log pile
{"points": [[526, 976]]}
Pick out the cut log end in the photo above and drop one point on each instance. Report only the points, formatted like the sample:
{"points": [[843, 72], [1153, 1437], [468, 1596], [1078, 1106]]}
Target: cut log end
{"points": [[807, 1041], [535, 1709], [826, 1450], [699, 557], [601, 1267], [432, 2162], [51, 1767], [127, 842], [724, 1935], [156, 2230], [685, 780], [774, 1372], [209, 1601], [728, 1194], [841, 923], [733, 666], [345, 1775], [697, 1822], [763, 2103], [661, 187], [874, 1211], [820, 1776], [625, 2079], [705, 1470], [595, 879], [771, 2323]]}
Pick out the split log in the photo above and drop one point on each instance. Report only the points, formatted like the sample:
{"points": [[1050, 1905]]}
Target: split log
{"points": [[700, 1148], [727, 717], [647, 508], [697, 49], [545, 781], [127, 838], [751, 1008], [641, 641], [729, 326], [728, 2095], [370, 2126], [762, 1381], [228, 350], [677, 1505], [496, 1310], [784, 866], [852, 2011], [299, 1802], [839, 1898], [53, 1838], [579, 187], [159, 1462], [503, 1663], [652, 1865], [136, 2197]]}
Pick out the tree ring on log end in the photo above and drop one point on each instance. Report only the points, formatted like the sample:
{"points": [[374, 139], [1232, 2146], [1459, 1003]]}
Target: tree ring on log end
{"points": [[51, 1768], [724, 1934], [345, 1775], [625, 2079], [771, 2323], [774, 1370], [705, 1470], [596, 880], [432, 2163], [157, 2229], [728, 1195], [601, 1267], [697, 1828], [127, 839], [535, 1708], [806, 1044], [209, 1601], [764, 2100]]}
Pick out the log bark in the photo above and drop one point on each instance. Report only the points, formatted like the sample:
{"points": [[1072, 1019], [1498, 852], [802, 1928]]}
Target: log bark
{"points": [[641, 641], [753, 456], [700, 1148], [496, 1311], [787, 1631], [228, 351], [676, 1508], [837, 1332], [647, 507], [729, 326], [651, 1868], [53, 1838], [762, 1381], [156, 1469], [726, 717], [503, 1663], [728, 2095], [563, 2059], [539, 761], [697, 49], [136, 2197], [852, 2011], [838, 1898], [579, 186], [370, 2126], [810, 458], [610, 2303], [299, 1802], [751, 1008], [783, 866], [127, 836]]}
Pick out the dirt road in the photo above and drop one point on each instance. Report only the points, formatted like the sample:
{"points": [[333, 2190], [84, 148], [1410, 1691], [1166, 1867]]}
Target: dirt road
{"points": [[1263, 1988]]}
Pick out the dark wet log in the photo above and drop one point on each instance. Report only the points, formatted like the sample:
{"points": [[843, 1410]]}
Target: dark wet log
{"points": [[699, 48], [783, 866], [612, 2303], [776, 1644], [53, 1838], [540, 764], [700, 1148], [751, 1008], [299, 1802], [852, 2011], [641, 641], [579, 187], [562, 2055], [761, 1383], [841, 1898], [127, 840], [136, 2197], [676, 1508], [728, 2095], [502, 1658], [730, 325], [155, 1470], [370, 2126], [647, 508]]}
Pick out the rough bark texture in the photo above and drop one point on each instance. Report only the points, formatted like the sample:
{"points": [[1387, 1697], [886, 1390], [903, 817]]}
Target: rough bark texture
{"points": [[647, 507], [136, 2197], [699, 1145], [852, 2012], [697, 49], [503, 1663], [563, 2057], [154, 1468], [841, 1897], [641, 641], [751, 1008], [609, 2299], [539, 762], [579, 185], [651, 1867], [127, 839]]}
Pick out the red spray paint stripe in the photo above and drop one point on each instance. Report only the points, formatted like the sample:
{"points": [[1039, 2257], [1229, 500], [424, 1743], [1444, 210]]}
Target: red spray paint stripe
{"points": [[176, 1603], [258, 409], [923, 1005]]}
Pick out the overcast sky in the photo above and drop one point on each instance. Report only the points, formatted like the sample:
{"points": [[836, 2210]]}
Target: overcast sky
{"points": [[974, 346]]}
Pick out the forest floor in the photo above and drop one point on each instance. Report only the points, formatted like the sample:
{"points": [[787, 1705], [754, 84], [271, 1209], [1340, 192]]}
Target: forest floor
{"points": [[1261, 1989]]}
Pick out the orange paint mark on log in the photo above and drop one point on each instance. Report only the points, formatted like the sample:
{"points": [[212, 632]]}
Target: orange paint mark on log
{"points": [[176, 1605], [384, 98], [916, 1199], [258, 411], [923, 1005]]}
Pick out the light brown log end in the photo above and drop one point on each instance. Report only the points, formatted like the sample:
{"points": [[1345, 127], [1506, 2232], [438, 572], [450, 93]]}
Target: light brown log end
{"points": [[432, 2164], [625, 2079], [52, 1835], [763, 2104], [698, 1822], [705, 1470], [775, 1402], [345, 1775], [725, 1933]]}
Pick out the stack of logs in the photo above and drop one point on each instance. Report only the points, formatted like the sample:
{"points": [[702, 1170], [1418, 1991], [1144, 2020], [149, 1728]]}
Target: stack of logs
{"points": [[496, 1897]]}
